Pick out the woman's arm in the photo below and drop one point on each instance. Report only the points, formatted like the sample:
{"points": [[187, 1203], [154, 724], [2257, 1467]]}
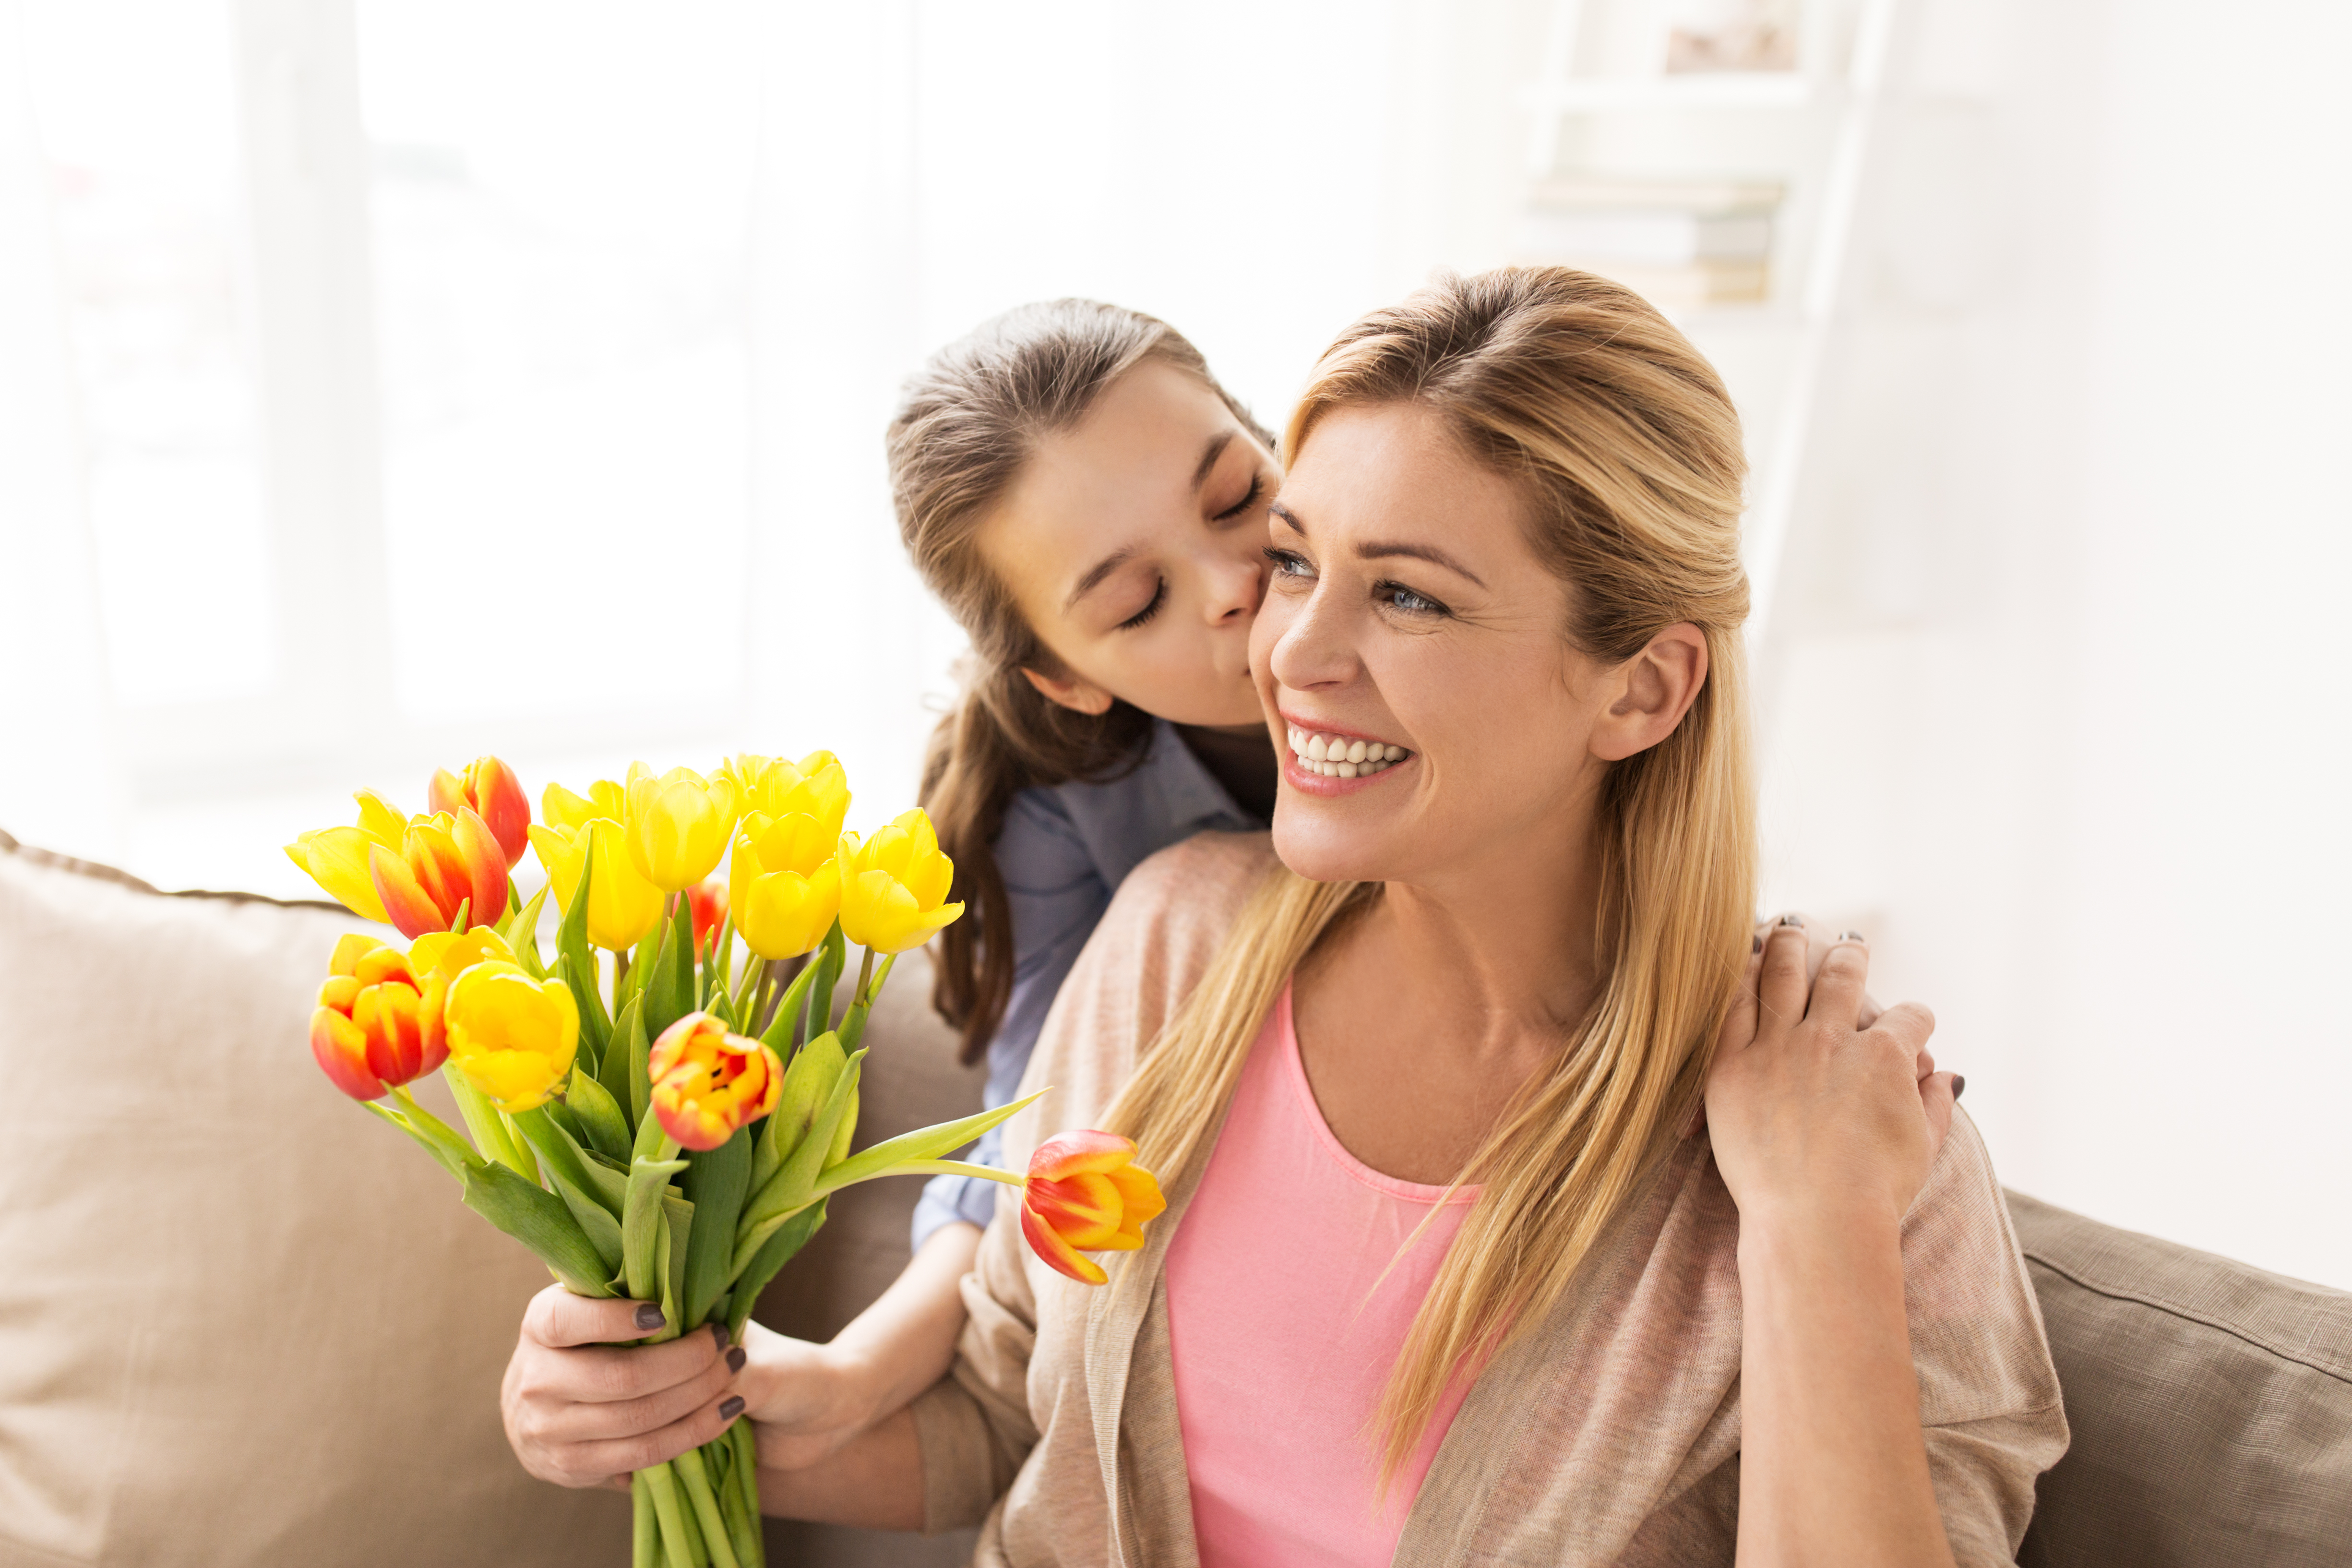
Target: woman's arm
{"points": [[1824, 1133]]}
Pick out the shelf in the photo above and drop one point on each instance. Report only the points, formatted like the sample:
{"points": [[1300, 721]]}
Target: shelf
{"points": [[1725, 89]]}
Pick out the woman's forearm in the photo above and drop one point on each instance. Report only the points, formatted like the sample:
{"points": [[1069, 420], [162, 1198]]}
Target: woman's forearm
{"points": [[875, 1480], [1833, 1467]]}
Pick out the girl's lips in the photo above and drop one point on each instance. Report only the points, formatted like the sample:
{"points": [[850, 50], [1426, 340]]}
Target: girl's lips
{"points": [[1295, 774]]}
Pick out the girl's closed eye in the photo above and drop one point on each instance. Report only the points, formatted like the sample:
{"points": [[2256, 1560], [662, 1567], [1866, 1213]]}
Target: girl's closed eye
{"points": [[1250, 498], [1159, 597]]}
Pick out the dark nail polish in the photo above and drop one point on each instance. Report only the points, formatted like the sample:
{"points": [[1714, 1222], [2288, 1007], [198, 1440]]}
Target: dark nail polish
{"points": [[731, 1407], [719, 1332], [649, 1316], [1794, 923], [736, 1356], [1851, 936], [1959, 1083], [1755, 944]]}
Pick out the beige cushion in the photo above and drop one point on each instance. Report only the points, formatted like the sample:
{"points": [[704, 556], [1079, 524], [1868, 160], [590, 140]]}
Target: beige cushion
{"points": [[242, 1323], [2210, 1402]]}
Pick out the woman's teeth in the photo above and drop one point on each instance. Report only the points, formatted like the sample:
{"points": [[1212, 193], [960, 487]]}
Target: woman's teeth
{"points": [[1342, 756]]}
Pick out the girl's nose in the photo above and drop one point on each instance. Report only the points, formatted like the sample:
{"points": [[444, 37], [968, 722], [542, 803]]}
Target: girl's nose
{"points": [[1236, 585]]}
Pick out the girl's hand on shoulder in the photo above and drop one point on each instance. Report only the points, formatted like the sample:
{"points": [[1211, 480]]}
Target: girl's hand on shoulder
{"points": [[1819, 1106], [583, 1408]]}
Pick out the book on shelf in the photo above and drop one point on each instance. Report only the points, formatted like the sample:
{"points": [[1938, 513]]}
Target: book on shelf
{"points": [[1679, 243]]}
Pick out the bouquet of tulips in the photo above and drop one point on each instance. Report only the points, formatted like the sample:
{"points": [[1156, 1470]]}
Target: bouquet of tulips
{"points": [[653, 1114]]}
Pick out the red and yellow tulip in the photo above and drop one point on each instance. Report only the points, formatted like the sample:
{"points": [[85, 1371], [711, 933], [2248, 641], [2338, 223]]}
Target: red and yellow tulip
{"points": [[678, 824], [1085, 1194], [443, 861], [622, 905], [337, 857], [707, 901], [894, 885], [376, 1027], [708, 1081], [512, 1036], [489, 789]]}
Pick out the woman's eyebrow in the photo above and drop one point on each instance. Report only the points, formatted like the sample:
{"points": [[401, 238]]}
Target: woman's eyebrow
{"points": [[1376, 552], [1094, 578]]}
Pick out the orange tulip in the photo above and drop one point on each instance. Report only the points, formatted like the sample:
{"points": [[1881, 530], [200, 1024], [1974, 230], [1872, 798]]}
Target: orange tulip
{"points": [[491, 792], [708, 1082], [708, 900], [1085, 1194], [375, 1027], [444, 860]]}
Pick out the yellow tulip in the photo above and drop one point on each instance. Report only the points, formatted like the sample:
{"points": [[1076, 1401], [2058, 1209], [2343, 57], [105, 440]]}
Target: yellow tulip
{"points": [[815, 786], [571, 812], [512, 1036], [622, 905], [782, 884], [678, 824], [449, 954], [337, 857], [894, 886]]}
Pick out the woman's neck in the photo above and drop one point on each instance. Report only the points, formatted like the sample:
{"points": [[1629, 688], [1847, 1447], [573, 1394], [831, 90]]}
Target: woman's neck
{"points": [[1242, 760]]}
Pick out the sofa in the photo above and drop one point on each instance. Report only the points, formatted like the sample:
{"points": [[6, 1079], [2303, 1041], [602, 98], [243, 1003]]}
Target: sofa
{"points": [[242, 1324]]}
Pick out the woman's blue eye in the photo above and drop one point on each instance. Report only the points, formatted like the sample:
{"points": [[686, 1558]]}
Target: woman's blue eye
{"points": [[1289, 562], [1401, 597]]}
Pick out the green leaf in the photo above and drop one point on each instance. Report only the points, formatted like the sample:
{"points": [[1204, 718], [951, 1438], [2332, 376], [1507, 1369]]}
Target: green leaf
{"points": [[774, 1253], [603, 1127], [564, 1116], [579, 976], [613, 1071], [669, 991], [795, 1183], [596, 1222], [522, 935], [853, 1023], [540, 1221], [641, 1228], [781, 1032], [677, 1235], [448, 1159], [834, 955], [641, 1082], [721, 1006], [717, 1181], [923, 1143], [482, 1120]]}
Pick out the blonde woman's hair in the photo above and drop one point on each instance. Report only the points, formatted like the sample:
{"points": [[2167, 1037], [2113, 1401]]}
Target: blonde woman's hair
{"points": [[1625, 448], [965, 425]]}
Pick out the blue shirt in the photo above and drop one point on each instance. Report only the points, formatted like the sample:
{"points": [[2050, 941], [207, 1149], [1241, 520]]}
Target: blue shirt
{"points": [[1064, 850]]}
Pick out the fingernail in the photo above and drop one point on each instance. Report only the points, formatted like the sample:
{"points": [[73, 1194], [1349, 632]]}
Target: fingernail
{"points": [[731, 1407], [1755, 944], [1958, 1084], [1794, 922], [1851, 936], [719, 1332], [736, 1356], [649, 1316]]}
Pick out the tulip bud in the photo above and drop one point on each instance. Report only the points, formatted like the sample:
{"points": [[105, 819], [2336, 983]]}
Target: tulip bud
{"points": [[446, 954], [558, 807], [678, 824], [512, 1036], [707, 1082], [443, 861], [337, 857], [815, 786], [375, 1027], [622, 905], [1085, 1194], [491, 792], [783, 884], [707, 902], [894, 886]]}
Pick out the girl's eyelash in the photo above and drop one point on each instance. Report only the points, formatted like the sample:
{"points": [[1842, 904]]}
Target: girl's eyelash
{"points": [[1159, 597], [1257, 489]]}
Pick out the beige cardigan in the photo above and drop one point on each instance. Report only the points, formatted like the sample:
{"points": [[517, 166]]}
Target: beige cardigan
{"points": [[1609, 1434]]}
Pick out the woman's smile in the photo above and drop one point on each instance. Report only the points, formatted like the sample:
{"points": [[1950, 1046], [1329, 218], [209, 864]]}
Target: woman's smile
{"points": [[1327, 760]]}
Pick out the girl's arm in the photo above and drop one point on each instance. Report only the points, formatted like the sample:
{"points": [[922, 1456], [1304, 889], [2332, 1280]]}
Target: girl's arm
{"points": [[1824, 1133]]}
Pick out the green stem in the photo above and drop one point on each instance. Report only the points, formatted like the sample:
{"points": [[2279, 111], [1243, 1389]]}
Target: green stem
{"points": [[697, 1478], [443, 1136], [858, 998], [483, 1121], [663, 1484], [645, 1529], [948, 1168], [743, 1485]]}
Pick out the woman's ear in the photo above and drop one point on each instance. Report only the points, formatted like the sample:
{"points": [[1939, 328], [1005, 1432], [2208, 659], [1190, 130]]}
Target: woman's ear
{"points": [[1078, 696], [1654, 690]]}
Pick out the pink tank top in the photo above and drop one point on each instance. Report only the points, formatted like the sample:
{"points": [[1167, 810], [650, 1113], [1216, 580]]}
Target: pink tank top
{"points": [[1280, 1342]]}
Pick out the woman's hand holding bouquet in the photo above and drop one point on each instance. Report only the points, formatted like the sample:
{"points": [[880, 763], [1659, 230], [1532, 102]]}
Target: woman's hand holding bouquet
{"points": [[661, 1124]]}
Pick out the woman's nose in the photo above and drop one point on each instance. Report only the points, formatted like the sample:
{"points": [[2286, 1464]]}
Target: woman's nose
{"points": [[1314, 649]]}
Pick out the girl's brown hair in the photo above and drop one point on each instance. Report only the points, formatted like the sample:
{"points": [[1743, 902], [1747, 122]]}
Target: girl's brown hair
{"points": [[967, 422], [1623, 445]]}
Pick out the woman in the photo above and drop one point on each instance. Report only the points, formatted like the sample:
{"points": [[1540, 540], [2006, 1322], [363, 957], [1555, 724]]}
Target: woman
{"points": [[1448, 1274]]}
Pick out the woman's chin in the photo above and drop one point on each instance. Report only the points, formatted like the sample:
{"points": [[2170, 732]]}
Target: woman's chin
{"points": [[1327, 851]]}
